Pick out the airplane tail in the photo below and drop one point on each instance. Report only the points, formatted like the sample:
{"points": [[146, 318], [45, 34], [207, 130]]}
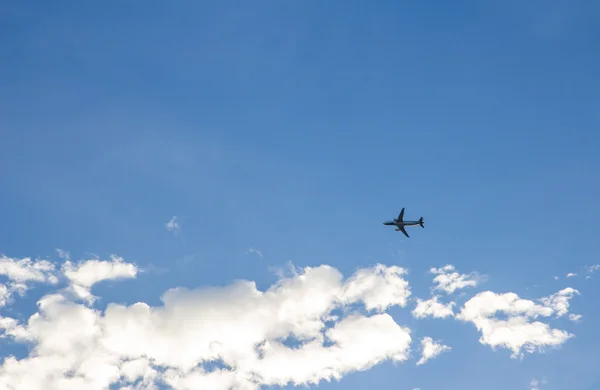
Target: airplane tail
{"points": [[421, 222]]}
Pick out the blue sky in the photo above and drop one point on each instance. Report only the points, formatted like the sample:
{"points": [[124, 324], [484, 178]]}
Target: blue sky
{"points": [[297, 128]]}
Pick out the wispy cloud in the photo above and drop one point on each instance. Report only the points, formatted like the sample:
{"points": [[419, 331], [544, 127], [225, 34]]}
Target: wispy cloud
{"points": [[186, 259], [287, 271], [65, 255], [591, 269], [535, 384], [254, 250], [575, 317], [173, 225]]}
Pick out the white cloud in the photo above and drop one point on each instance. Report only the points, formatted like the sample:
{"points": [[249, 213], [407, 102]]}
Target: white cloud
{"points": [[432, 307], [519, 332], [84, 275], [244, 330], [575, 317], [285, 271], [63, 254], [254, 250], [9, 327], [5, 294], [448, 280], [431, 349], [25, 270], [591, 269], [571, 274], [310, 326], [559, 301], [535, 384], [173, 225], [20, 273], [378, 287]]}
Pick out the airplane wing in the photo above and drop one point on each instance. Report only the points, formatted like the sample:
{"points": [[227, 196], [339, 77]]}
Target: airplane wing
{"points": [[403, 231], [401, 216]]}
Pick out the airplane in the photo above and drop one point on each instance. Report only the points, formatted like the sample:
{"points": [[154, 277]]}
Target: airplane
{"points": [[400, 223]]}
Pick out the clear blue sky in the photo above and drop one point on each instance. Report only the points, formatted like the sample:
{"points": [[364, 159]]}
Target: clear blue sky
{"points": [[297, 128]]}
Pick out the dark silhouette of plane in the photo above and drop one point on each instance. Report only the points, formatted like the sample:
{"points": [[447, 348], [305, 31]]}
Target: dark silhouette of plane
{"points": [[400, 223]]}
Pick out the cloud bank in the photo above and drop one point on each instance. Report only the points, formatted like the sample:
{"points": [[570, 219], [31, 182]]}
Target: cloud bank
{"points": [[312, 326]]}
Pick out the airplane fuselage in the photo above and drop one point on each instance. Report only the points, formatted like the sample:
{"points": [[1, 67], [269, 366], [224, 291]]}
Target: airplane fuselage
{"points": [[403, 223]]}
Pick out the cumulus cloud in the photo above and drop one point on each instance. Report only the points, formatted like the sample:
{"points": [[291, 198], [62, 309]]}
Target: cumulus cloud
{"points": [[571, 274], [233, 336], [312, 325], [378, 287], [519, 332], [431, 349], [84, 275], [20, 274], [559, 301], [173, 225], [27, 270], [432, 307], [448, 280]]}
